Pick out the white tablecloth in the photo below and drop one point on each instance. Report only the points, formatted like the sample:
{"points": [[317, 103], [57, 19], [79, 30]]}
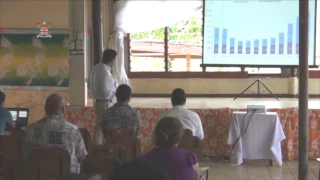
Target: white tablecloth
{"points": [[262, 140]]}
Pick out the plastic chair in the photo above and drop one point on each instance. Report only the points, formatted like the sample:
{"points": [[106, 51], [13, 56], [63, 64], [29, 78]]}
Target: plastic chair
{"points": [[109, 151], [11, 151], [57, 160], [98, 165], [192, 144], [87, 138], [128, 139], [30, 169]]}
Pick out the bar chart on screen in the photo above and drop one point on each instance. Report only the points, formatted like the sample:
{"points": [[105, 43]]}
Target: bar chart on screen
{"points": [[255, 32], [258, 48]]}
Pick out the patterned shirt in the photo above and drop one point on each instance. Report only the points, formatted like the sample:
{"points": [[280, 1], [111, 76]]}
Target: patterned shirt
{"points": [[54, 132], [121, 117]]}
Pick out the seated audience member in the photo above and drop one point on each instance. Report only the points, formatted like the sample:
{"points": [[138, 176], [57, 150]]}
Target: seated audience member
{"points": [[121, 116], [189, 119], [54, 132], [139, 170], [181, 164], [6, 120]]}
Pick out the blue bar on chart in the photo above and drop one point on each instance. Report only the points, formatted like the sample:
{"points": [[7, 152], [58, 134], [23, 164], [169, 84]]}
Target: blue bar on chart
{"points": [[256, 46], [273, 46], [216, 40], [248, 44], [240, 47], [281, 43], [290, 37], [264, 46], [224, 41], [232, 43], [297, 35]]}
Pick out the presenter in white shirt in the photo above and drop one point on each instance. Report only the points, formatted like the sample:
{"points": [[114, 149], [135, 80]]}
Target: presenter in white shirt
{"points": [[103, 87], [189, 119]]}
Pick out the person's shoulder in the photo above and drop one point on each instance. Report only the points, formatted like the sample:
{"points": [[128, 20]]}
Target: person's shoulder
{"points": [[190, 156], [38, 123], [107, 111], [70, 125], [97, 66], [94, 68], [72, 129], [5, 111], [135, 114], [134, 110], [183, 152], [194, 114], [166, 113]]}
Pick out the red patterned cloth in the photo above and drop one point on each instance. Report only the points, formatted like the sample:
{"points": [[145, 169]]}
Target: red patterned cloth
{"points": [[216, 124]]}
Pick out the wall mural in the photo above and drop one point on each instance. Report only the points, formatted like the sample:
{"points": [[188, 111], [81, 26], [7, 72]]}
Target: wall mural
{"points": [[26, 60]]}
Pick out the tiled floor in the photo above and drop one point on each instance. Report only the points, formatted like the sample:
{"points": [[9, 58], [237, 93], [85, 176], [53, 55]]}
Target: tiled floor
{"points": [[258, 170]]}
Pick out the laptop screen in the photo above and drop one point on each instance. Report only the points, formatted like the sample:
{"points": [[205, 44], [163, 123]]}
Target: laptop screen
{"points": [[23, 114], [14, 115]]}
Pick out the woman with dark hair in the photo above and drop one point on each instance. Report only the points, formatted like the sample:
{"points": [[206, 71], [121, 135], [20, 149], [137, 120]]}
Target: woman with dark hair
{"points": [[180, 164]]}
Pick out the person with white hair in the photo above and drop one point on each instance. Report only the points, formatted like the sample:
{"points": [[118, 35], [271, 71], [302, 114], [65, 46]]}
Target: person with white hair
{"points": [[54, 132]]}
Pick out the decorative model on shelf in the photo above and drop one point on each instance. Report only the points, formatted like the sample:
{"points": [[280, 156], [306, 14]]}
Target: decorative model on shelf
{"points": [[44, 30]]}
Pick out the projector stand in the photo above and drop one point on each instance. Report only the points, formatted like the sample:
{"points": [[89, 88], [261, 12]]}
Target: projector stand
{"points": [[259, 82]]}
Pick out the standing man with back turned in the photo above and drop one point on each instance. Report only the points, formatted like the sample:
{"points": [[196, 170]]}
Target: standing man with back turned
{"points": [[103, 87]]}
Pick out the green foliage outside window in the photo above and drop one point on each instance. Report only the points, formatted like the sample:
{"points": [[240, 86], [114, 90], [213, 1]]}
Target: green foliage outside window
{"points": [[187, 32]]}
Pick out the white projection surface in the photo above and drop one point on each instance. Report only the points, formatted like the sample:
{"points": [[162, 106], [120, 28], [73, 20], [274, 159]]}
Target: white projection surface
{"points": [[255, 32]]}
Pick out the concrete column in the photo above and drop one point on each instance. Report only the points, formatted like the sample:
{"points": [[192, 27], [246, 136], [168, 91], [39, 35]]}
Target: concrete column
{"points": [[303, 90], [97, 33], [78, 52]]}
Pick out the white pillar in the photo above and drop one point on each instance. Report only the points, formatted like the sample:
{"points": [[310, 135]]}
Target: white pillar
{"points": [[78, 52]]}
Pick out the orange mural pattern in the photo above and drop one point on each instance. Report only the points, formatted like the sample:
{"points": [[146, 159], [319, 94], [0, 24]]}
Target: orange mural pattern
{"points": [[216, 124]]}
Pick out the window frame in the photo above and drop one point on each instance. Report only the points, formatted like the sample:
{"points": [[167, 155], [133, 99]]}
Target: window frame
{"points": [[168, 74]]}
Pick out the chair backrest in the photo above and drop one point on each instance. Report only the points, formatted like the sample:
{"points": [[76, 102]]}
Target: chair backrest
{"points": [[191, 143], [11, 151], [11, 148], [30, 169], [115, 132], [18, 133], [87, 138], [128, 139], [109, 151], [57, 159], [98, 165]]}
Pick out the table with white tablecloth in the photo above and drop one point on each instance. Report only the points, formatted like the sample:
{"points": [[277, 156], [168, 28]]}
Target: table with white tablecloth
{"points": [[255, 136]]}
